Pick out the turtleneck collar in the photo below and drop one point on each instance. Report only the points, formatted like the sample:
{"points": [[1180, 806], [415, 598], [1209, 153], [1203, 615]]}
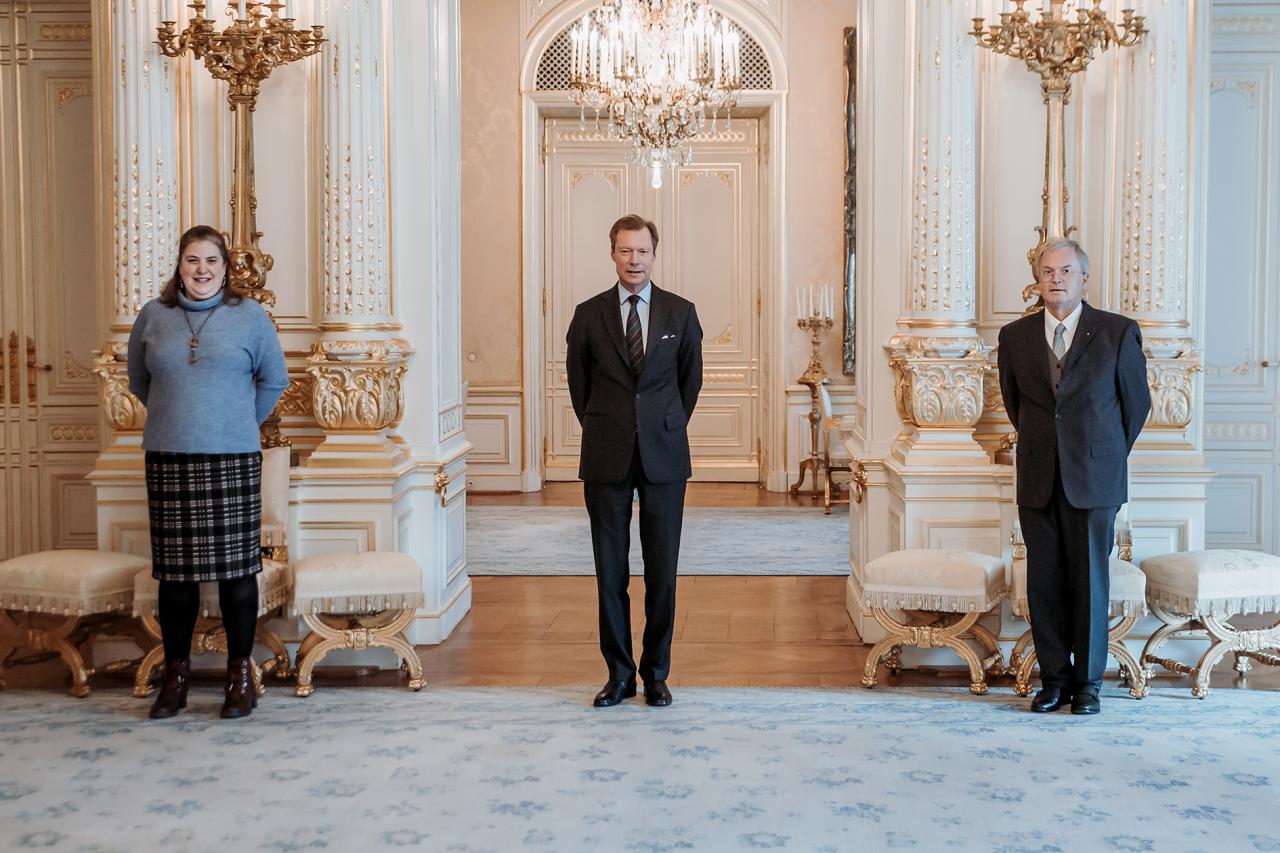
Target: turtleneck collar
{"points": [[190, 304]]}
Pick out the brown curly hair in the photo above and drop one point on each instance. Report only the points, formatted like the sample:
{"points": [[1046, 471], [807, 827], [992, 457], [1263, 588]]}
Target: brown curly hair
{"points": [[169, 293]]}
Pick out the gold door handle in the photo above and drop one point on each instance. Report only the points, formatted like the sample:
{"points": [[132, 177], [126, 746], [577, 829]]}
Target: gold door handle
{"points": [[32, 369]]}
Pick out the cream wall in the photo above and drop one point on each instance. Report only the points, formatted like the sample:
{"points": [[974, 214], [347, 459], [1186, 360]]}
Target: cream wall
{"points": [[494, 36], [815, 163], [491, 309]]}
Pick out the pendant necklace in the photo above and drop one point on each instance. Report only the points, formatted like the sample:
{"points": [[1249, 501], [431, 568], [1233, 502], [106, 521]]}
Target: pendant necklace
{"points": [[194, 343]]}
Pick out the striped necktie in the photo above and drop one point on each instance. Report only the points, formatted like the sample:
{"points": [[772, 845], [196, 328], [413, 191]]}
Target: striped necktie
{"points": [[635, 339]]}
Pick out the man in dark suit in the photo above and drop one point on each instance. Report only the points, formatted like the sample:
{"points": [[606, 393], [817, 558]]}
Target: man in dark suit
{"points": [[1074, 382], [635, 369]]}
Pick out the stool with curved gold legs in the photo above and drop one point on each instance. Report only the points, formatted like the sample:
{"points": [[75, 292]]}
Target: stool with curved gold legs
{"points": [[951, 630], [51, 601], [358, 632], [942, 595], [274, 590], [1196, 594], [357, 601]]}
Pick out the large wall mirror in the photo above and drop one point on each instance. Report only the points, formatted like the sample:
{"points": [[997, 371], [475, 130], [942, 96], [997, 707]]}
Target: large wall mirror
{"points": [[850, 83]]}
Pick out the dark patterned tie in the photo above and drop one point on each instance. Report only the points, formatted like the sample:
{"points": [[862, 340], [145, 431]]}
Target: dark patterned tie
{"points": [[635, 339]]}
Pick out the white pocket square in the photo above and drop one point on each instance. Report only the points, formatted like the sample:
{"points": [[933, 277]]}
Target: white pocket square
{"points": [[671, 337]]}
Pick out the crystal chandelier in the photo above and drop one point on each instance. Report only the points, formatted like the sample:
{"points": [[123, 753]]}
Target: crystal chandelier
{"points": [[659, 69]]}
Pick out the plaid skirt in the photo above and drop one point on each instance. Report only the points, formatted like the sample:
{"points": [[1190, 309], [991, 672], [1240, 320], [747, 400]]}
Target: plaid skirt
{"points": [[206, 515]]}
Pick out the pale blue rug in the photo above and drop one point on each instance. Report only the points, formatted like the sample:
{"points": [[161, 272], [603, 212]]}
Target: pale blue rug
{"points": [[469, 770], [527, 540]]}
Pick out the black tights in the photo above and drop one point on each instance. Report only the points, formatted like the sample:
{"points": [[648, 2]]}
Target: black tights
{"points": [[180, 606]]}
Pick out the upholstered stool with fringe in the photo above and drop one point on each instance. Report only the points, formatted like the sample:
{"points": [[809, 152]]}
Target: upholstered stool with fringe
{"points": [[357, 601], [1128, 603], [65, 597], [1196, 593], [943, 593], [274, 591]]}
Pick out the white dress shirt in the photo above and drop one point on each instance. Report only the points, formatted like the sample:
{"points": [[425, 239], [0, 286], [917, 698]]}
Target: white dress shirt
{"points": [[1051, 325], [642, 308]]}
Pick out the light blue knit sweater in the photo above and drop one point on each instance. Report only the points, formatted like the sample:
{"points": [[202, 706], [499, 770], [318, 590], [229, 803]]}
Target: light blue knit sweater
{"points": [[216, 404]]}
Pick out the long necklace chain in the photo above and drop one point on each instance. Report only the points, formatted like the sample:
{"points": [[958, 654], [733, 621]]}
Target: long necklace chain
{"points": [[194, 343]]}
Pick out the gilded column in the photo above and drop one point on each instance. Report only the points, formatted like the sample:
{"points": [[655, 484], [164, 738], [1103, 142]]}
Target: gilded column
{"points": [[359, 361], [1153, 205], [938, 358], [144, 189]]}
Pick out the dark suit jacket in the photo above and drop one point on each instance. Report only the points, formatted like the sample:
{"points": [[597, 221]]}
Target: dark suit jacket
{"points": [[1090, 427], [616, 407]]}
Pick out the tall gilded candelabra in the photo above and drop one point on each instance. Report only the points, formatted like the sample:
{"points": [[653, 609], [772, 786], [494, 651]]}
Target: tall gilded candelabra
{"points": [[1056, 47], [258, 41], [814, 319]]}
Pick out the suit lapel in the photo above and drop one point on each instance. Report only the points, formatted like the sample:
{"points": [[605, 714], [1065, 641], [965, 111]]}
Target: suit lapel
{"points": [[1037, 345], [612, 309], [1083, 337], [658, 312]]}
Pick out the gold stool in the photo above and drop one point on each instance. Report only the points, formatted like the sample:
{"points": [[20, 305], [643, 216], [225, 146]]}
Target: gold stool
{"points": [[1197, 593], [59, 591], [357, 601], [943, 594], [209, 637]]}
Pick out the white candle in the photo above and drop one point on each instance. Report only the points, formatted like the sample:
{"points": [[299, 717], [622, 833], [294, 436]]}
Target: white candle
{"points": [[799, 309], [243, 14], [809, 290]]}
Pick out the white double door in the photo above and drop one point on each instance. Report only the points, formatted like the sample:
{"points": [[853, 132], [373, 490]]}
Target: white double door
{"points": [[48, 286], [707, 215]]}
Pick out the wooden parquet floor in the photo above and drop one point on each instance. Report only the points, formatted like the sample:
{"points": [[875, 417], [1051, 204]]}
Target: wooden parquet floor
{"points": [[730, 631]]}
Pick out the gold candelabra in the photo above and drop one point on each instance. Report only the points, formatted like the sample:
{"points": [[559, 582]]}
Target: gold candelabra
{"points": [[815, 320], [258, 41], [1056, 47]]}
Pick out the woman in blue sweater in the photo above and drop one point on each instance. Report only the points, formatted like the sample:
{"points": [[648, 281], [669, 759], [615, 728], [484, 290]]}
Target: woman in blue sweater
{"points": [[207, 363]]}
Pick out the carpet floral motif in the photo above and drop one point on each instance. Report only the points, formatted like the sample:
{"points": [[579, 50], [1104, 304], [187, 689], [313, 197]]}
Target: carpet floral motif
{"points": [[470, 770]]}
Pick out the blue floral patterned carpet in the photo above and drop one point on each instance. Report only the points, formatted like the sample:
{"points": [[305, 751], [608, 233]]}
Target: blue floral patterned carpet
{"points": [[526, 540], [721, 770]]}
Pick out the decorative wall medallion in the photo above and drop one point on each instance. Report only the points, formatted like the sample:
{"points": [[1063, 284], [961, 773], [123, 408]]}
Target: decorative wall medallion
{"points": [[66, 94], [1256, 431], [72, 369], [1245, 24], [72, 433], [65, 32], [609, 175], [451, 421]]}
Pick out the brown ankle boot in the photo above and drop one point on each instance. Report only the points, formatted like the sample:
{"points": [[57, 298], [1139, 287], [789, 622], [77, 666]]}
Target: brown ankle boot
{"points": [[173, 689], [242, 698]]}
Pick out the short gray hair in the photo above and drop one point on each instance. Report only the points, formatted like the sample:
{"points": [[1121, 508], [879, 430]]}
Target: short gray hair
{"points": [[1063, 243]]}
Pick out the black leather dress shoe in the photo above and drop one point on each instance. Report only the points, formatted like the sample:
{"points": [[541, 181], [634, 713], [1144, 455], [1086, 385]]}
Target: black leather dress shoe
{"points": [[1086, 701], [614, 692], [1050, 699], [657, 694]]}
